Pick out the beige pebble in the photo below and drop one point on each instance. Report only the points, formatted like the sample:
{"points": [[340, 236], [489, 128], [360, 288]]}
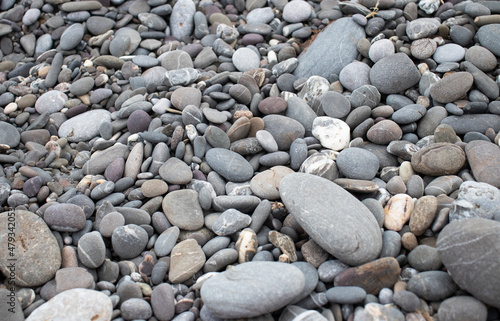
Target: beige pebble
{"points": [[154, 187], [145, 288], [285, 244], [42, 72], [85, 99], [409, 241], [398, 211], [430, 241], [423, 215], [399, 286], [406, 171], [68, 257], [246, 245], [11, 107]]}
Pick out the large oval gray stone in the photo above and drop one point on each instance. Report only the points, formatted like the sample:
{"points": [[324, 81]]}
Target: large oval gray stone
{"points": [[84, 126], [333, 49], [183, 209], [232, 166], [284, 130], [470, 251], [252, 289], [332, 217], [36, 251], [394, 74], [9, 135]]}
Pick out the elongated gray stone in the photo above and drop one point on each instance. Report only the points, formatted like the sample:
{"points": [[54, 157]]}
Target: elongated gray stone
{"points": [[332, 217], [333, 49], [252, 289], [182, 18], [84, 126], [230, 165], [102, 159], [473, 122]]}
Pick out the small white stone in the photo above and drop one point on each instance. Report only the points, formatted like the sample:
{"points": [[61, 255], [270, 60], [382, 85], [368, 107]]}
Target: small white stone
{"points": [[88, 63], [191, 132], [75, 305], [11, 107], [331, 132]]}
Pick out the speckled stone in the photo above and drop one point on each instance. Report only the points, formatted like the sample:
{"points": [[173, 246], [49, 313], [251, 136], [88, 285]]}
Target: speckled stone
{"points": [[38, 255]]}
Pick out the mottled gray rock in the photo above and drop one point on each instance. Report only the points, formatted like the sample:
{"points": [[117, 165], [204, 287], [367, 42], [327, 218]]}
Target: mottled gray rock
{"points": [[304, 194], [475, 199], [373, 311], [182, 18], [230, 221], [421, 28], [51, 102], [40, 257]]}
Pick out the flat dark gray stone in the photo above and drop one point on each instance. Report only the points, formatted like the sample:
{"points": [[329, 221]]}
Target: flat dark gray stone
{"points": [[473, 123]]}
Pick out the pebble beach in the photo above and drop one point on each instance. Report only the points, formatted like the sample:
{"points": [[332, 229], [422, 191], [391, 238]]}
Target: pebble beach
{"points": [[257, 160]]}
